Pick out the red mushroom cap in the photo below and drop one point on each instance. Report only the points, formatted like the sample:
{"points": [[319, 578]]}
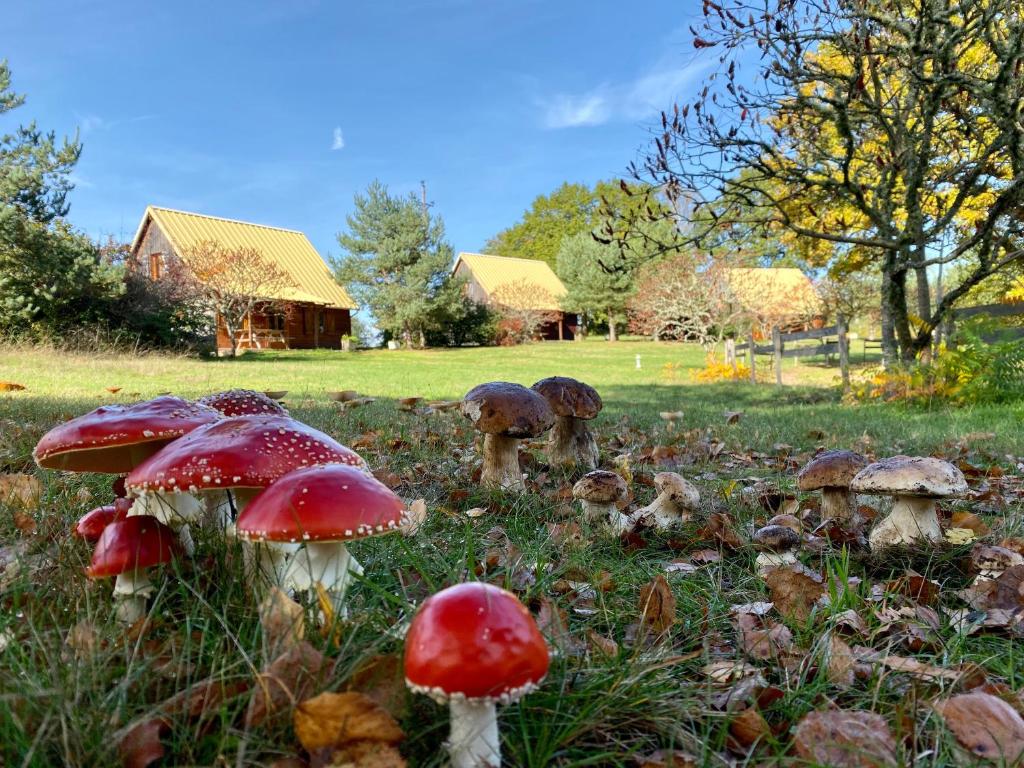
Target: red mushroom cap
{"points": [[136, 542], [117, 438], [243, 402], [474, 640], [240, 452], [91, 525], [334, 502]]}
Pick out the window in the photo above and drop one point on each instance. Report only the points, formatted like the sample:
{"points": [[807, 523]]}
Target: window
{"points": [[156, 266], [275, 321]]}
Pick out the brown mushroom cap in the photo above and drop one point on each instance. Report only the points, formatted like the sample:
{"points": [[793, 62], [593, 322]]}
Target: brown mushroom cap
{"points": [[775, 538], [831, 469], [677, 488], [787, 521], [911, 476], [568, 397], [987, 557], [510, 410], [600, 486]]}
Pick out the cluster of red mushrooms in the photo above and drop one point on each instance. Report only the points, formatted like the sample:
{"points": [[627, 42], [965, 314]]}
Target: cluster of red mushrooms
{"points": [[294, 496]]}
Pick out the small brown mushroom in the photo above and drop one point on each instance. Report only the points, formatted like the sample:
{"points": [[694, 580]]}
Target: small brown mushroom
{"points": [[916, 483], [831, 472], [574, 404], [989, 561], [505, 413], [776, 546], [409, 403], [598, 493], [675, 502]]}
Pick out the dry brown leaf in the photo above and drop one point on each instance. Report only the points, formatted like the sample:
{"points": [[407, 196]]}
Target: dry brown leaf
{"points": [[795, 589], [658, 605], [845, 739], [282, 620], [970, 521], [365, 754], [10, 386], [748, 728], [986, 725], [83, 639], [916, 587], [1005, 592], [554, 625], [603, 646], [841, 665], [20, 490], [476, 512], [763, 642], [337, 719], [417, 517], [292, 677], [382, 678], [140, 745], [667, 758]]}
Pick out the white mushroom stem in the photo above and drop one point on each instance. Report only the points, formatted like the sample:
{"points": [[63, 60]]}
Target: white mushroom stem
{"points": [[327, 563], [267, 560], [473, 741], [769, 561], [176, 509], [570, 443], [606, 511], [131, 589], [912, 519], [838, 503], [501, 463], [665, 510]]}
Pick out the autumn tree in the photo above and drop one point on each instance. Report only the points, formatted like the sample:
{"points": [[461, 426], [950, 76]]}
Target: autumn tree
{"points": [[232, 282], [523, 309], [865, 133]]}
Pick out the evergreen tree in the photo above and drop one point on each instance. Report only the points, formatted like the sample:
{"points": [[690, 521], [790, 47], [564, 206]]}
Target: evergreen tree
{"points": [[598, 279], [398, 263]]}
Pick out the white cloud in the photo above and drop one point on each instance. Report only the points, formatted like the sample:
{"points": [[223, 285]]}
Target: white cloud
{"points": [[339, 140], [636, 99]]}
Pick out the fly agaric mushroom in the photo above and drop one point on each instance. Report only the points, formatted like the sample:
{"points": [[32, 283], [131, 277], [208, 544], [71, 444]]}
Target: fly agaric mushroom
{"points": [[322, 507], [598, 493], [776, 546], [831, 472], [91, 525], [236, 458], [574, 403], [916, 482], [127, 549], [505, 413], [472, 646], [115, 439], [243, 402], [676, 499]]}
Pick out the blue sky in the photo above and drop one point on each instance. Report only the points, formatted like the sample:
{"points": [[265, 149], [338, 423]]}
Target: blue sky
{"points": [[278, 112]]}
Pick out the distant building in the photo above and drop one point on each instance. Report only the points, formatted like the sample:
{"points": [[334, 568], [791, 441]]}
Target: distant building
{"points": [[523, 284], [782, 296], [313, 313]]}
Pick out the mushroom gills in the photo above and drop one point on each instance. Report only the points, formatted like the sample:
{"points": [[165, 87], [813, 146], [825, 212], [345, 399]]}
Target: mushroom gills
{"points": [[473, 741], [911, 519], [328, 563]]}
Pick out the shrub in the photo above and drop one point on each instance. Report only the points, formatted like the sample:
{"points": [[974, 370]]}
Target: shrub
{"points": [[716, 370]]}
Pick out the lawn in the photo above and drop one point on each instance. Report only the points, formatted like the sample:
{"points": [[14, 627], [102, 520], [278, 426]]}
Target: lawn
{"points": [[73, 682]]}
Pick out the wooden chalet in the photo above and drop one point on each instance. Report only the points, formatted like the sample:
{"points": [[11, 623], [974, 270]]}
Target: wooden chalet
{"points": [[525, 284], [314, 312]]}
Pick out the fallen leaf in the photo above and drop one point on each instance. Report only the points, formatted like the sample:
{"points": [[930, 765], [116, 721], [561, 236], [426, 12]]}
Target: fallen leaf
{"points": [[1005, 592], [283, 622], [748, 728], [365, 754], [986, 725], [337, 719], [763, 642], [140, 745], [667, 758], [417, 517], [83, 639], [604, 646], [292, 677], [658, 605], [795, 590], [20, 490], [732, 417], [959, 536], [10, 386], [916, 587], [382, 678], [476, 512], [841, 665], [970, 521], [845, 739]]}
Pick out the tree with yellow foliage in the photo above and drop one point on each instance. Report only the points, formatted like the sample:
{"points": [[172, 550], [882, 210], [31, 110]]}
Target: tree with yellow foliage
{"points": [[867, 134]]}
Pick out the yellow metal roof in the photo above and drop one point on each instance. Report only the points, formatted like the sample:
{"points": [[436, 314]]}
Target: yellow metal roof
{"points": [[289, 249], [525, 283], [781, 291]]}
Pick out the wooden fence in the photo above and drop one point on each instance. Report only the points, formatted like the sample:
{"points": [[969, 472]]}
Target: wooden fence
{"points": [[988, 310], [832, 340]]}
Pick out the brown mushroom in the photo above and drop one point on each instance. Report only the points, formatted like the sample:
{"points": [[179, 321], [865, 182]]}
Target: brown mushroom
{"points": [[676, 500], [776, 546], [831, 472], [505, 413], [599, 493], [574, 404]]}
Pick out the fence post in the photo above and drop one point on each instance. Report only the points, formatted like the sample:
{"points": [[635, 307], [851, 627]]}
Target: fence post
{"points": [[730, 354], [844, 353], [777, 344], [750, 352]]}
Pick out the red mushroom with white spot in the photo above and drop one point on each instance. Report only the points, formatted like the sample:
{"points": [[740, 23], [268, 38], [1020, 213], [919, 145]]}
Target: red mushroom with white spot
{"points": [[243, 402], [127, 549], [91, 525], [234, 459], [473, 646], [323, 508]]}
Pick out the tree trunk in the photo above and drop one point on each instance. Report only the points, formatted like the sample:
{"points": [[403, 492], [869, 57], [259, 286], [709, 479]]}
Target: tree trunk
{"points": [[423, 339], [612, 334], [890, 351]]}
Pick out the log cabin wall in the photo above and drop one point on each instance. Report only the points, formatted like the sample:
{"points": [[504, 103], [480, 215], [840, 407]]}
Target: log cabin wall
{"points": [[297, 324]]}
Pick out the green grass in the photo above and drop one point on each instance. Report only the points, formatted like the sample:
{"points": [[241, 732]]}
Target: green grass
{"points": [[60, 708]]}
